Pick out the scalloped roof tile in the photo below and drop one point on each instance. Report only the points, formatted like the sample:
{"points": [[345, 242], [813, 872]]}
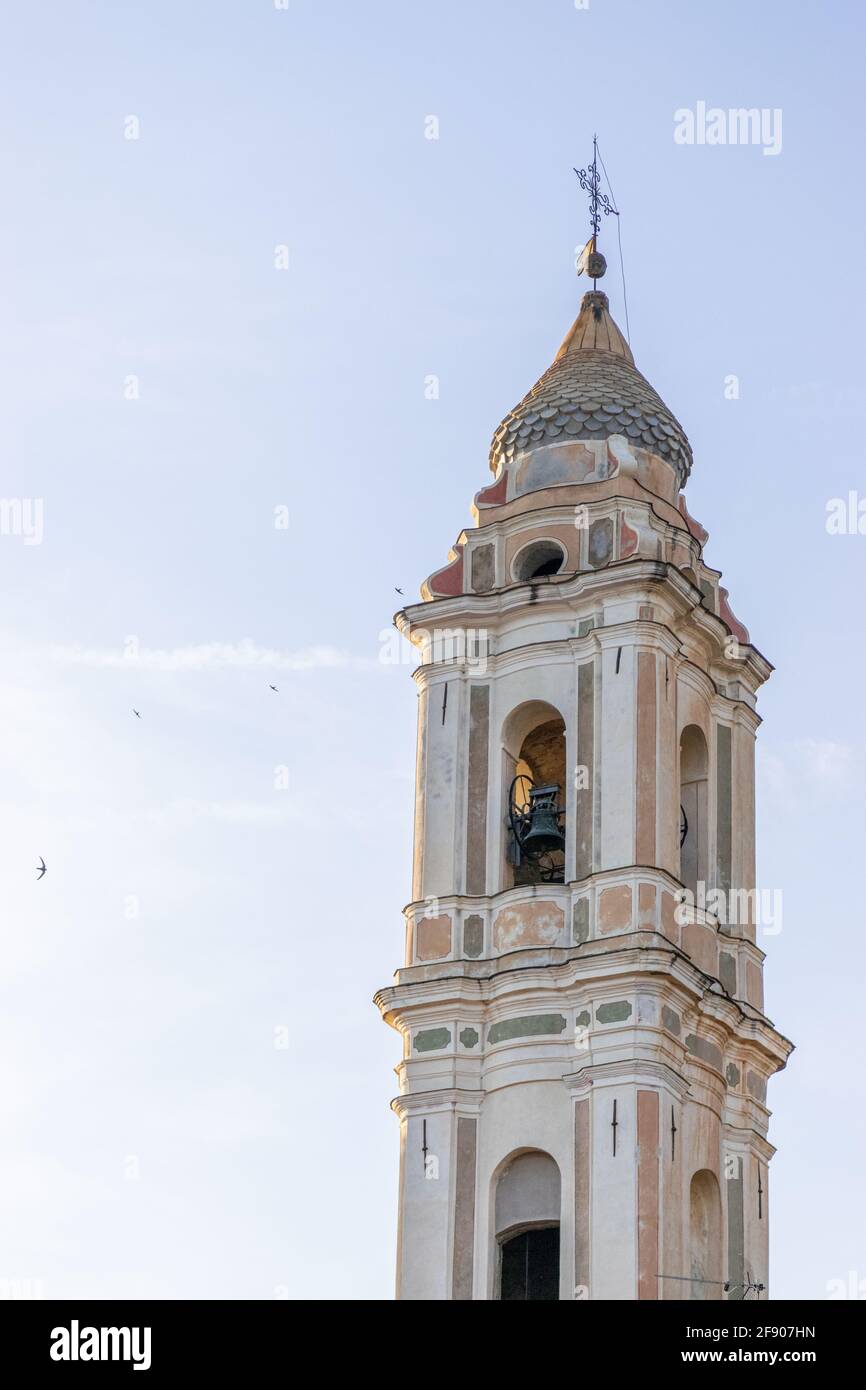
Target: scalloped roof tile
{"points": [[593, 380]]}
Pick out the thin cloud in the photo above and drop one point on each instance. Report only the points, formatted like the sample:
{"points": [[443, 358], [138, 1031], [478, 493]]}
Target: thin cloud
{"points": [[212, 656], [805, 768]]}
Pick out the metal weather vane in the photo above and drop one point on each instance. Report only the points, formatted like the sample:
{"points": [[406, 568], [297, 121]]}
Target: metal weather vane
{"points": [[591, 260]]}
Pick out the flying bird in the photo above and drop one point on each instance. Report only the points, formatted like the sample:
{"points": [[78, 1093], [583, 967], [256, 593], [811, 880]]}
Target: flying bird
{"points": [[40, 872], [397, 591], [136, 713], [273, 687]]}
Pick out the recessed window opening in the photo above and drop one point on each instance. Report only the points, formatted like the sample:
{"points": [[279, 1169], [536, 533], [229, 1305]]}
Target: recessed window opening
{"points": [[705, 1236], [530, 1266], [537, 806], [694, 761], [526, 1222], [538, 560]]}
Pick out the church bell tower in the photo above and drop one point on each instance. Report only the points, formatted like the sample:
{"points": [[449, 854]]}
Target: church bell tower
{"points": [[583, 1086]]}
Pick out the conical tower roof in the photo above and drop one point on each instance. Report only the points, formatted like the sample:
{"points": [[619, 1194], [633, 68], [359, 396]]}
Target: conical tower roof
{"points": [[592, 390]]}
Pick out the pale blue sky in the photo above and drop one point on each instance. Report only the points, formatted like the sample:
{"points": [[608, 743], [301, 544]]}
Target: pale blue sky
{"points": [[263, 1168]]}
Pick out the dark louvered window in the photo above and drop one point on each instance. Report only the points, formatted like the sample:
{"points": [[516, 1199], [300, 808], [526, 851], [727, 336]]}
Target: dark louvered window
{"points": [[530, 1265]]}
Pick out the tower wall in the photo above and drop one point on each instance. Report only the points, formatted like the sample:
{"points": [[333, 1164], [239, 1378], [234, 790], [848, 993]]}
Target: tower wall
{"points": [[609, 1020]]}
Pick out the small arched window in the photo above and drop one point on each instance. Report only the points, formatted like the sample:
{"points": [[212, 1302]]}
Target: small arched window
{"points": [[538, 559]]}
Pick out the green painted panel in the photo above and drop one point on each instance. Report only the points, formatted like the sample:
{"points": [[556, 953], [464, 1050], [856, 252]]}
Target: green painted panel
{"points": [[707, 1051], [617, 1012], [530, 1026], [473, 936], [580, 921], [432, 1039], [670, 1020]]}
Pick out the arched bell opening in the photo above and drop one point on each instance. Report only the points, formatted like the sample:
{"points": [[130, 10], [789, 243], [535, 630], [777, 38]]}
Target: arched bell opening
{"points": [[528, 1196], [694, 826], [535, 763]]}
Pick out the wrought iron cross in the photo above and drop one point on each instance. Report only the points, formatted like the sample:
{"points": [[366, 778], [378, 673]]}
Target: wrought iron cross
{"points": [[598, 202]]}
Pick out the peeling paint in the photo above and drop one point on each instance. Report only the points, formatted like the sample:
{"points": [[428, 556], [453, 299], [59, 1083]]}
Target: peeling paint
{"points": [[706, 1050], [537, 923], [614, 908], [600, 544], [483, 561]]}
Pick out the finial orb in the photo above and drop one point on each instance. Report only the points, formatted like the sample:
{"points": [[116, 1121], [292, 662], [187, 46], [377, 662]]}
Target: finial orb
{"points": [[596, 265]]}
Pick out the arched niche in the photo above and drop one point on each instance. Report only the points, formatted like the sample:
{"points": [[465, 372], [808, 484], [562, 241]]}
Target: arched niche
{"points": [[694, 804], [534, 750], [527, 1205], [705, 1236]]}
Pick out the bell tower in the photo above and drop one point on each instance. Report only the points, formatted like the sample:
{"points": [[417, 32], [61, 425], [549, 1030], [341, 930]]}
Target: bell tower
{"points": [[583, 1086]]}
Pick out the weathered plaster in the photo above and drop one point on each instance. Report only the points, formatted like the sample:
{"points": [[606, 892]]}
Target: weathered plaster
{"points": [[464, 1209], [614, 908], [648, 1194], [433, 938], [476, 828], [535, 923], [473, 936]]}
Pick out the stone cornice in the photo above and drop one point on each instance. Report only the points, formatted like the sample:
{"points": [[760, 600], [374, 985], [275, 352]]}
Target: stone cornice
{"points": [[753, 1140], [428, 1102], [558, 597], [622, 969], [640, 1070], [527, 891]]}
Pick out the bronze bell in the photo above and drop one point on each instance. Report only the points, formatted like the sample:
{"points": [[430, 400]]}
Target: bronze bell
{"points": [[544, 834]]}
